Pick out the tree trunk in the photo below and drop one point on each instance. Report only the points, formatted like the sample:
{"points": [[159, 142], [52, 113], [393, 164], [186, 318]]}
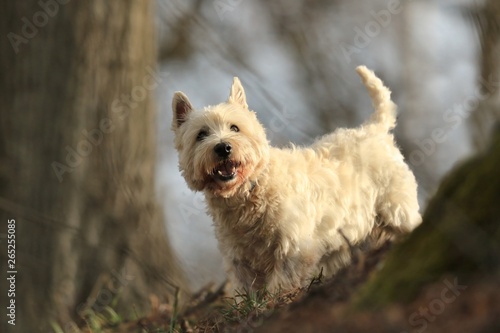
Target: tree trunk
{"points": [[487, 20], [77, 160]]}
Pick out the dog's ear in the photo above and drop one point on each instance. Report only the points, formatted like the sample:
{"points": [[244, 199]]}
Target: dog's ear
{"points": [[181, 107], [237, 95]]}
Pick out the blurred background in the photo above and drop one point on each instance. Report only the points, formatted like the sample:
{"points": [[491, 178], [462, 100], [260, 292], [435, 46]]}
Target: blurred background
{"points": [[104, 222], [296, 60]]}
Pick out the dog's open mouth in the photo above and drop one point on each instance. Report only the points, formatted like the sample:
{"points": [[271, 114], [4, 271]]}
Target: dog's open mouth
{"points": [[226, 170]]}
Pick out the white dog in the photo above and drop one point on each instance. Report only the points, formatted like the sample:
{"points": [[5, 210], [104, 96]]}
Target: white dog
{"points": [[281, 214]]}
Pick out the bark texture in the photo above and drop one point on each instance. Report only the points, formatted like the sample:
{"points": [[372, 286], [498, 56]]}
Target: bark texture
{"points": [[77, 160], [487, 21]]}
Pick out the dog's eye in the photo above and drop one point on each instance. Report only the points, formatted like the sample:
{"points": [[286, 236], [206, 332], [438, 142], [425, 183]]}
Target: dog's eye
{"points": [[235, 128], [201, 135]]}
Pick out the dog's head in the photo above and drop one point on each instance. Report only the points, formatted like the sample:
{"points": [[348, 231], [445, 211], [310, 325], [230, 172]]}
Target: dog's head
{"points": [[220, 147]]}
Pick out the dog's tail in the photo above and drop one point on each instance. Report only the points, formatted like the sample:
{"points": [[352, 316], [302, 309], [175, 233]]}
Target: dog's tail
{"points": [[385, 109]]}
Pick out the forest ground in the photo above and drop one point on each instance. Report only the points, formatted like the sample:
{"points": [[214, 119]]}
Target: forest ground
{"points": [[327, 306]]}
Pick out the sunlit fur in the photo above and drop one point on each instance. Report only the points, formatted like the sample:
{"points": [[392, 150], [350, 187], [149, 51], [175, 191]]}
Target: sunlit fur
{"points": [[289, 212]]}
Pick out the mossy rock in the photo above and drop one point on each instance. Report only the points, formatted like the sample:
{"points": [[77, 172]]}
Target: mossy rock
{"points": [[459, 236]]}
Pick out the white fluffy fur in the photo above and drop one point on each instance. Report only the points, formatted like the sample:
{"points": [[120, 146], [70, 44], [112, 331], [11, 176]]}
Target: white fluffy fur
{"points": [[288, 212]]}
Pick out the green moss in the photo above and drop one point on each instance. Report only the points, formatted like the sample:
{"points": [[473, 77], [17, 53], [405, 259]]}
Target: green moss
{"points": [[460, 235]]}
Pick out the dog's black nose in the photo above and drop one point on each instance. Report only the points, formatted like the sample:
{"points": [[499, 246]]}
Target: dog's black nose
{"points": [[223, 149]]}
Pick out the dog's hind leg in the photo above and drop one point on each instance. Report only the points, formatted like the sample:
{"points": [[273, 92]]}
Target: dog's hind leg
{"points": [[397, 205]]}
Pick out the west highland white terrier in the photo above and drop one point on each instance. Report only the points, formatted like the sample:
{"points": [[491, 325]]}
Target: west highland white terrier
{"points": [[282, 214]]}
